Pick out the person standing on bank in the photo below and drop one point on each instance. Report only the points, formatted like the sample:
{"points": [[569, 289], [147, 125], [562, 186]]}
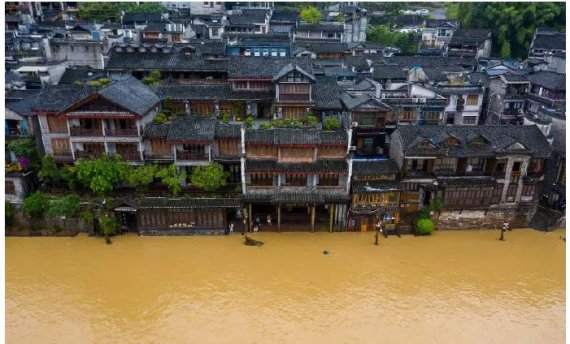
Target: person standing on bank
{"points": [[269, 220], [231, 227]]}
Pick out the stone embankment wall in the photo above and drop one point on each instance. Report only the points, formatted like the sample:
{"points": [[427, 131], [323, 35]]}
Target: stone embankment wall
{"points": [[23, 224], [517, 217]]}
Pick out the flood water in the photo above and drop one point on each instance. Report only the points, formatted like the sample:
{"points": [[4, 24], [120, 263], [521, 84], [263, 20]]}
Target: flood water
{"points": [[453, 287]]}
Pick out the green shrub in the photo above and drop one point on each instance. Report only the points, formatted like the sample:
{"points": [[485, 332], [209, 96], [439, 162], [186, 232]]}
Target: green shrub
{"points": [[265, 125], [9, 212], [226, 117], [332, 123], [424, 214], [105, 81], [161, 118], [249, 121], [87, 216], [312, 121], [95, 83], [54, 229], [425, 227], [36, 205]]}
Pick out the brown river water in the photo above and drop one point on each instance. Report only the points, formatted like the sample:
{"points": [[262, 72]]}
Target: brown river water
{"points": [[453, 287]]}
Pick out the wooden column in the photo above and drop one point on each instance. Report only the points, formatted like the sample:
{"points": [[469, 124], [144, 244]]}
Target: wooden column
{"points": [[331, 213], [312, 218], [249, 219], [278, 218]]}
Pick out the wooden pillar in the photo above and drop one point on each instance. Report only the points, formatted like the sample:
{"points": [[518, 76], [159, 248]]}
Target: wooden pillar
{"points": [[249, 219], [278, 218], [331, 213], [312, 218]]}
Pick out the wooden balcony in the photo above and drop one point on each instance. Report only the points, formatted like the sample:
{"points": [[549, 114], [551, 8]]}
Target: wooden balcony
{"points": [[63, 158], [294, 97], [79, 131], [128, 156], [445, 170], [158, 156], [123, 132], [89, 154], [184, 155], [419, 174]]}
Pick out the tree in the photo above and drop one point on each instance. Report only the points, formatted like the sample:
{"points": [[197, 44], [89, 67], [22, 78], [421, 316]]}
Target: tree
{"points": [[35, 205], [172, 178], [405, 41], [103, 11], [331, 123], [24, 148], [153, 79], [340, 17], [142, 176], [311, 15], [101, 175], [64, 207], [108, 226], [49, 172], [513, 24], [210, 177]]}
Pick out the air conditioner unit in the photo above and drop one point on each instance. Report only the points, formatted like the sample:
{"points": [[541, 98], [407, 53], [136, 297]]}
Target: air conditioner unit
{"points": [[354, 124], [383, 95]]}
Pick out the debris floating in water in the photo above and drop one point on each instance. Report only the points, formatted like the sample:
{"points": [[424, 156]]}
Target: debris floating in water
{"points": [[252, 242], [325, 252]]}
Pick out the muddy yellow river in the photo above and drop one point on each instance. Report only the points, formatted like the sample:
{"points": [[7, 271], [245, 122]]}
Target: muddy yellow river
{"points": [[454, 287]]}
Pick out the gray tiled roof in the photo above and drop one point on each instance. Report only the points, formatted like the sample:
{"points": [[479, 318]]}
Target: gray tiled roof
{"points": [[491, 140], [389, 72], [466, 181], [210, 92], [550, 41], [156, 131], [264, 67], [325, 27], [374, 167], [284, 136], [549, 80], [184, 203], [125, 91], [296, 196], [326, 93], [351, 102], [196, 128], [470, 36]]}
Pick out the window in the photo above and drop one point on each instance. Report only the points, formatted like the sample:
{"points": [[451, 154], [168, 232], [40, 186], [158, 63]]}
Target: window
{"points": [[529, 190], [366, 120], [472, 99], [297, 179], [60, 147], [517, 166], [57, 124], [469, 120], [327, 180], [10, 187], [432, 116]]}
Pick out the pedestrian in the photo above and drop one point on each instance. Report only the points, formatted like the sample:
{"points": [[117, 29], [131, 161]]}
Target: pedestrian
{"points": [[231, 227], [255, 228], [269, 220]]}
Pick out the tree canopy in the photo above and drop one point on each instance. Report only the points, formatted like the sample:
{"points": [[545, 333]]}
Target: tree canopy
{"points": [[104, 11], [405, 41], [49, 172], [172, 178], [67, 206], [210, 177], [100, 175], [35, 205], [512, 23], [311, 14]]}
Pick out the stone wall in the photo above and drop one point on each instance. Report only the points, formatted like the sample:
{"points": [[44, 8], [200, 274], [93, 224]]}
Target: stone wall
{"points": [[517, 217], [71, 225]]}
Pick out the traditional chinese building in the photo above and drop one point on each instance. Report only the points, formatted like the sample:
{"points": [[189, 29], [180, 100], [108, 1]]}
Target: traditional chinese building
{"points": [[482, 175], [299, 177]]}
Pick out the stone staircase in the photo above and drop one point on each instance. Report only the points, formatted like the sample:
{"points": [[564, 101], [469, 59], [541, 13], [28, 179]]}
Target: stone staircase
{"points": [[546, 219]]}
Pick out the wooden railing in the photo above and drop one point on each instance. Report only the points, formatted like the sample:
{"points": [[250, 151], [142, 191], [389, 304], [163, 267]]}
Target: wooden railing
{"points": [[123, 132], [183, 155], [128, 156], [79, 131], [89, 154]]}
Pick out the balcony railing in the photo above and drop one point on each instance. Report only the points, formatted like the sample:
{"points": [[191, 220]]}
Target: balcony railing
{"points": [[79, 131], [128, 156], [290, 97], [419, 174], [158, 156], [123, 132], [89, 154], [15, 132], [445, 170], [184, 155], [499, 174], [63, 157]]}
